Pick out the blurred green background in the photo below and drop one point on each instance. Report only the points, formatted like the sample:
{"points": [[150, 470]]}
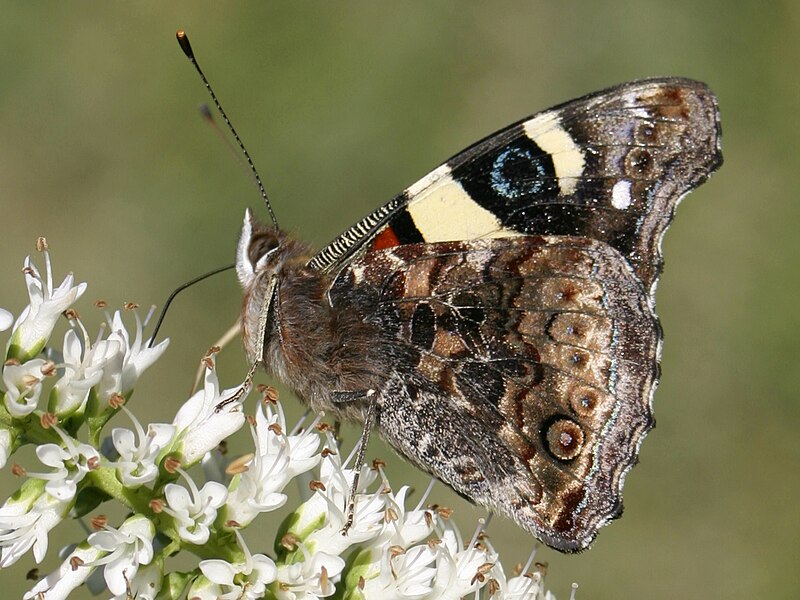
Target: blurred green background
{"points": [[344, 104]]}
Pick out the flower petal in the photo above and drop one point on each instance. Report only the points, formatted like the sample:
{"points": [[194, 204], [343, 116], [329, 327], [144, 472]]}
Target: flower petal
{"points": [[219, 571], [6, 319]]}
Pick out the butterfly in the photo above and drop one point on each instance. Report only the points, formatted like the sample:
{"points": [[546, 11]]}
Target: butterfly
{"points": [[495, 321]]}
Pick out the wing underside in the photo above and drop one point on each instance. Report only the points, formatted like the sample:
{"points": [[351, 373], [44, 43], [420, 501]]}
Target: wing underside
{"points": [[523, 354]]}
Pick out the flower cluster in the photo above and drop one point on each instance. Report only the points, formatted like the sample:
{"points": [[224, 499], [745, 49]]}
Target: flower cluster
{"points": [[61, 402]]}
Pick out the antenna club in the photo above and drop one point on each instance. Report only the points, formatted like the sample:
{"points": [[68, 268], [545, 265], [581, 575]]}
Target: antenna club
{"points": [[183, 40]]}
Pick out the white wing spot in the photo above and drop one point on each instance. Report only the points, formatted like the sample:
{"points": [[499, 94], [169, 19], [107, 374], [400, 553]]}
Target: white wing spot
{"points": [[621, 195]]}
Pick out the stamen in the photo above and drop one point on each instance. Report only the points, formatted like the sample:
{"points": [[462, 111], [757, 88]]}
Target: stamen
{"points": [[471, 549], [136, 424], [302, 420], [528, 564], [425, 494], [41, 245], [150, 314]]}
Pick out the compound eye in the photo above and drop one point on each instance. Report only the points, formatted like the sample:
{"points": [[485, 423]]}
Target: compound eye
{"points": [[260, 246]]}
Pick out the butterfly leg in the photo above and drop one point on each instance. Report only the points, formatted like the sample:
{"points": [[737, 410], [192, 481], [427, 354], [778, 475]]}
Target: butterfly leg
{"points": [[369, 421]]}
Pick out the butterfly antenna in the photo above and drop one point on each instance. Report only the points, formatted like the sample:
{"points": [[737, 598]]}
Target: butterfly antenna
{"points": [[183, 40], [177, 291]]}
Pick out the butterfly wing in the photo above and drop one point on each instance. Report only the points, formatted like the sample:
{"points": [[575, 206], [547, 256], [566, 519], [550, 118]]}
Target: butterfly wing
{"points": [[512, 293], [522, 372], [611, 166]]}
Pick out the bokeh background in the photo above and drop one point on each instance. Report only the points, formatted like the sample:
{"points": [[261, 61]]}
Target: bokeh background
{"points": [[342, 105]]}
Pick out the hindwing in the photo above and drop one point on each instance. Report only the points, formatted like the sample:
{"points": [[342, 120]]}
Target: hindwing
{"points": [[533, 365]]}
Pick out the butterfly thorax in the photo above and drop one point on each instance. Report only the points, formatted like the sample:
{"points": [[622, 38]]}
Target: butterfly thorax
{"points": [[316, 349]]}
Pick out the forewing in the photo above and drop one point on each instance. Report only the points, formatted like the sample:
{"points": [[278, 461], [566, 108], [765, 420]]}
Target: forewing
{"points": [[610, 166], [529, 368]]}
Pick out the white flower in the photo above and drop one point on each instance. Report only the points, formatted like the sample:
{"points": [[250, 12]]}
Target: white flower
{"points": [[71, 465], [332, 502], [23, 383], [72, 573], [443, 570], [25, 520], [145, 585], [403, 529], [407, 527], [128, 547], [460, 571], [194, 513], [6, 319], [277, 460], [124, 370], [245, 580], [525, 586], [403, 575], [35, 324], [136, 464], [83, 368], [301, 448], [6, 442], [312, 578], [200, 427]]}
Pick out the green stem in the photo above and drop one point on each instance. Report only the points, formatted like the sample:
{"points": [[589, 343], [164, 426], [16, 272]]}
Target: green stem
{"points": [[138, 500], [220, 544]]}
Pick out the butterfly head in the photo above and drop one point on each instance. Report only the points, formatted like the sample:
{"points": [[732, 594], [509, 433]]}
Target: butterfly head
{"points": [[261, 251], [260, 257], [267, 259]]}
